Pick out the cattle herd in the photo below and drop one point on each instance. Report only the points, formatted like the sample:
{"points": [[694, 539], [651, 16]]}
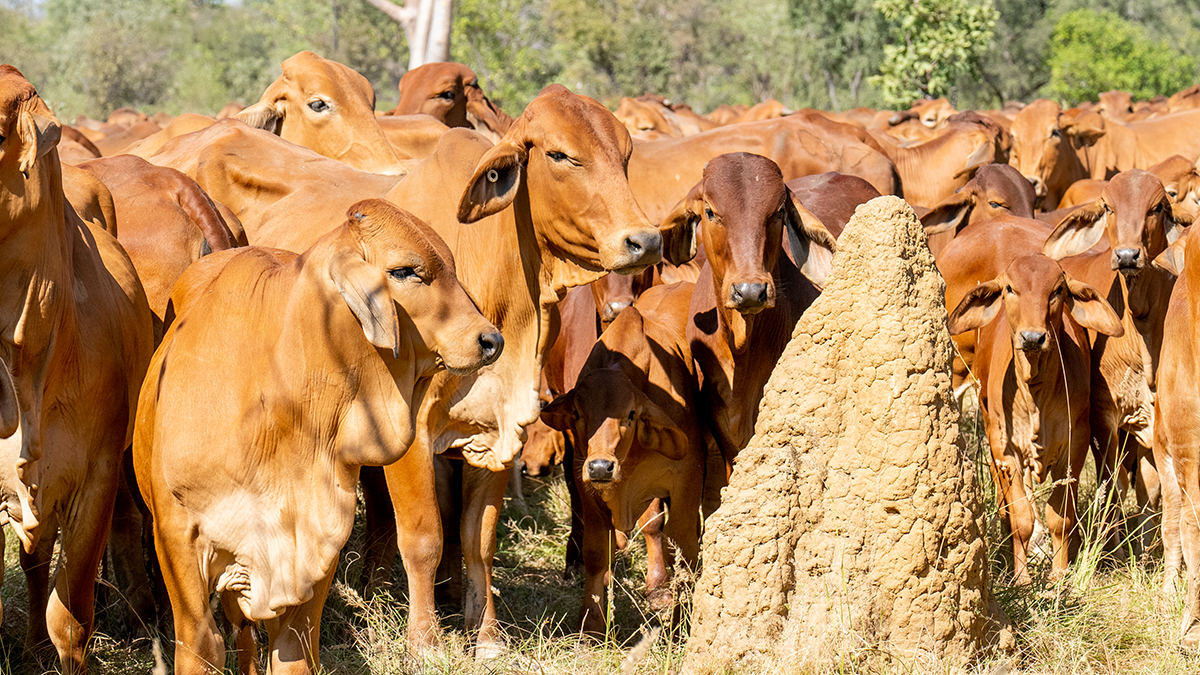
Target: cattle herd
{"points": [[224, 331]]}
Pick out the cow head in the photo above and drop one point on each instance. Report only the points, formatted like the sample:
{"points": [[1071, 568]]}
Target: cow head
{"points": [[574, 154], [1135, 214], [995, 190], [544, 448], [1034, 291], [328, 108], [1115, 105], [1182, 184], [617, 292], [1044, 143], [931, 113], [387, 257], [614, 421], [28, 131], [646, 120], [744, 207], [450, 92]]}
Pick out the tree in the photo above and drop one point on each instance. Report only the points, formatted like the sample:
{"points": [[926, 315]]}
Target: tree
{"points": [[1092, 52], [935, 42], [427, 23]]}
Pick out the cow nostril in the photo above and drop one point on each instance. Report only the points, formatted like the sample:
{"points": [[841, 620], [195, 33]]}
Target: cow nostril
{"points": [[600, 470], [748, 295], [634, 246], [490, 345], [1127, 257], [1033, 339]]}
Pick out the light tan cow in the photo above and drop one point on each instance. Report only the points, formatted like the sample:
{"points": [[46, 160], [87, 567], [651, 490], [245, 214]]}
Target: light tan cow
{"points": [[325, 106], [309, 367], [75, 329]]}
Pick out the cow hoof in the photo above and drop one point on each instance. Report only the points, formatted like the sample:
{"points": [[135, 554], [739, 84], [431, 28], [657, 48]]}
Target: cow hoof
{"points": [[661, 599], [486, 651]]}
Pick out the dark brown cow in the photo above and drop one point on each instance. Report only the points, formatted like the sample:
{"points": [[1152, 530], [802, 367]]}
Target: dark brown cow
{"points": [[1032, 362], [995, 190], [832, 197], [637, 440], [450, 93]]}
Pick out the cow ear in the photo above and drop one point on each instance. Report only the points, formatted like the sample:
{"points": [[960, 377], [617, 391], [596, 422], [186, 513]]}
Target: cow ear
{"points": [[560, 413], [812, 245], [1086, 129], [262, 115], [1172, 258], [10, 412], [1092, 311], [679, 228], [1079, 231], [984, 153], [1175, 222], [496, 181], [976, 310], [951, 214], [39, 135], [365, 290], [657, 432]]}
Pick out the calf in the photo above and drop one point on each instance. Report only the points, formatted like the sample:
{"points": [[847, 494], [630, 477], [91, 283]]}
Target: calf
{"points": [[450, 93], [1032, 362], [751, 290], [994, 190], [637, 440], [324, 359]]}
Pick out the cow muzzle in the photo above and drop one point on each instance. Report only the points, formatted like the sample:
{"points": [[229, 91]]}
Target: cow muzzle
{"points": [[600, 470], [750, 298], [635, 251], [1032, 341], [1127, 260]]}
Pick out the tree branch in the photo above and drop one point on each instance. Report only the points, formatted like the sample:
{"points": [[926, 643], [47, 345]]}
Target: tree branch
{"points": [[405, 16]]}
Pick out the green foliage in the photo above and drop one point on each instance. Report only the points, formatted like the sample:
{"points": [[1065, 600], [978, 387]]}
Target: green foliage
{"points": [[934, 43], [1092, 52]]}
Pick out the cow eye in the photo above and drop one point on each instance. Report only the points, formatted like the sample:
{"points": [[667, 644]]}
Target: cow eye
{"points": [[1008, 289], [709, 213], [557, 156], [448, 95], [1057, 133], [1170, 193], [630, 418], [404, 274], [318, 106], [996, 205]]}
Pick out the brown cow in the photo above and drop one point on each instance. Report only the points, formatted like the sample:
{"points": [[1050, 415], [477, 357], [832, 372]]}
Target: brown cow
{"points": [[325, 357], [325, 106], [647, 119], [727, 114], [832, 197], [78, 339], [1045, 147], [751, 291], [1115, 105], [662, 172], [932, 170], [1032, 364], [412, 136], [633, 415], [995, 190], [1135, 216], [450, 93]]}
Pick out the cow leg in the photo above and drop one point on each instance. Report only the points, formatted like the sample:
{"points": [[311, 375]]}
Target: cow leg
{"points": [[658, 592], [1187, 467], [128, 556], [1062, 514], [1148, 489], [71, 608], [295, 636], [598, 548], [380, 556], [246, 640], [36, 566], [682, 531], [448, 480], [516, 488], [1172, 548], [1021, 518], [1105, 452], [572, 470], [483, 497], [419, 529]]}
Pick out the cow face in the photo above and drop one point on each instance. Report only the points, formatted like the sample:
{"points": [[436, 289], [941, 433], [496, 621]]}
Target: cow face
{"points": [[438, 90], [995, 190], [28, 131], [1115, 105], [742, 207], [574, 154], [615, 421], [390, 258], [645, 120], [1135, 214], [1034, 291], [328, 108], [1045, 139]]}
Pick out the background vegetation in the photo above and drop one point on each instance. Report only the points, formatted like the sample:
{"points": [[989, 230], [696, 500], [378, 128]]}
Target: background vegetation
{"points": [[91, 56]]}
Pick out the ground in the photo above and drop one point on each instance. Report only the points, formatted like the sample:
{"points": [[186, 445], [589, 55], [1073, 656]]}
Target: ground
{"points": [[1104, 617]]}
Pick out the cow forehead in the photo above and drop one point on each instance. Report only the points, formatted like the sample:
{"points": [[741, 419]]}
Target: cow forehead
{"points": [[744, 182], [14, 90], [387, 228], [1039, 115], [578, 122], [308, 72], [605, 392], [1034, 273], [1132, 191]]}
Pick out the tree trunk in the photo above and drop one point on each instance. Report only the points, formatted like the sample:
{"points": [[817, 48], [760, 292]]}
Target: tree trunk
{"points": [[438, 47], [427, 25]]}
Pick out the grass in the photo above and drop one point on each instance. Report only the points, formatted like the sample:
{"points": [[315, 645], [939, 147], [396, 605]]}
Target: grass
{"points": [[1102, 617]]}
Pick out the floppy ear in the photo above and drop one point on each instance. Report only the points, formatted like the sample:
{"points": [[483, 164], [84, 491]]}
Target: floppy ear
{"points": [[812, 245], [1093, 311], [39, 135], [365, 290], [984, 153], [1175, 222], [976, 310], [560, 413], [1172, 258], [10, 412], [658, 432], [262, 115], [1086, 129], [679, 228], [497, 178], [901, 117], [951, 214], [1079, 231]]}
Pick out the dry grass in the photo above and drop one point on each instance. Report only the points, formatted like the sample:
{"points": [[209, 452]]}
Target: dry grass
{"points": [[1103, 617]]}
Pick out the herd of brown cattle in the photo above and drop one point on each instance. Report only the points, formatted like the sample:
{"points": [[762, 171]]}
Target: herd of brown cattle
{"points": [[269, 305]]}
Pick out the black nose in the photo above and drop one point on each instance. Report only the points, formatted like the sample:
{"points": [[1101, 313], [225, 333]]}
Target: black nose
{"points": [[645, 243], [747, 296], [1033, 340], [601, 470], [1126, 258], [490, 346]]}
